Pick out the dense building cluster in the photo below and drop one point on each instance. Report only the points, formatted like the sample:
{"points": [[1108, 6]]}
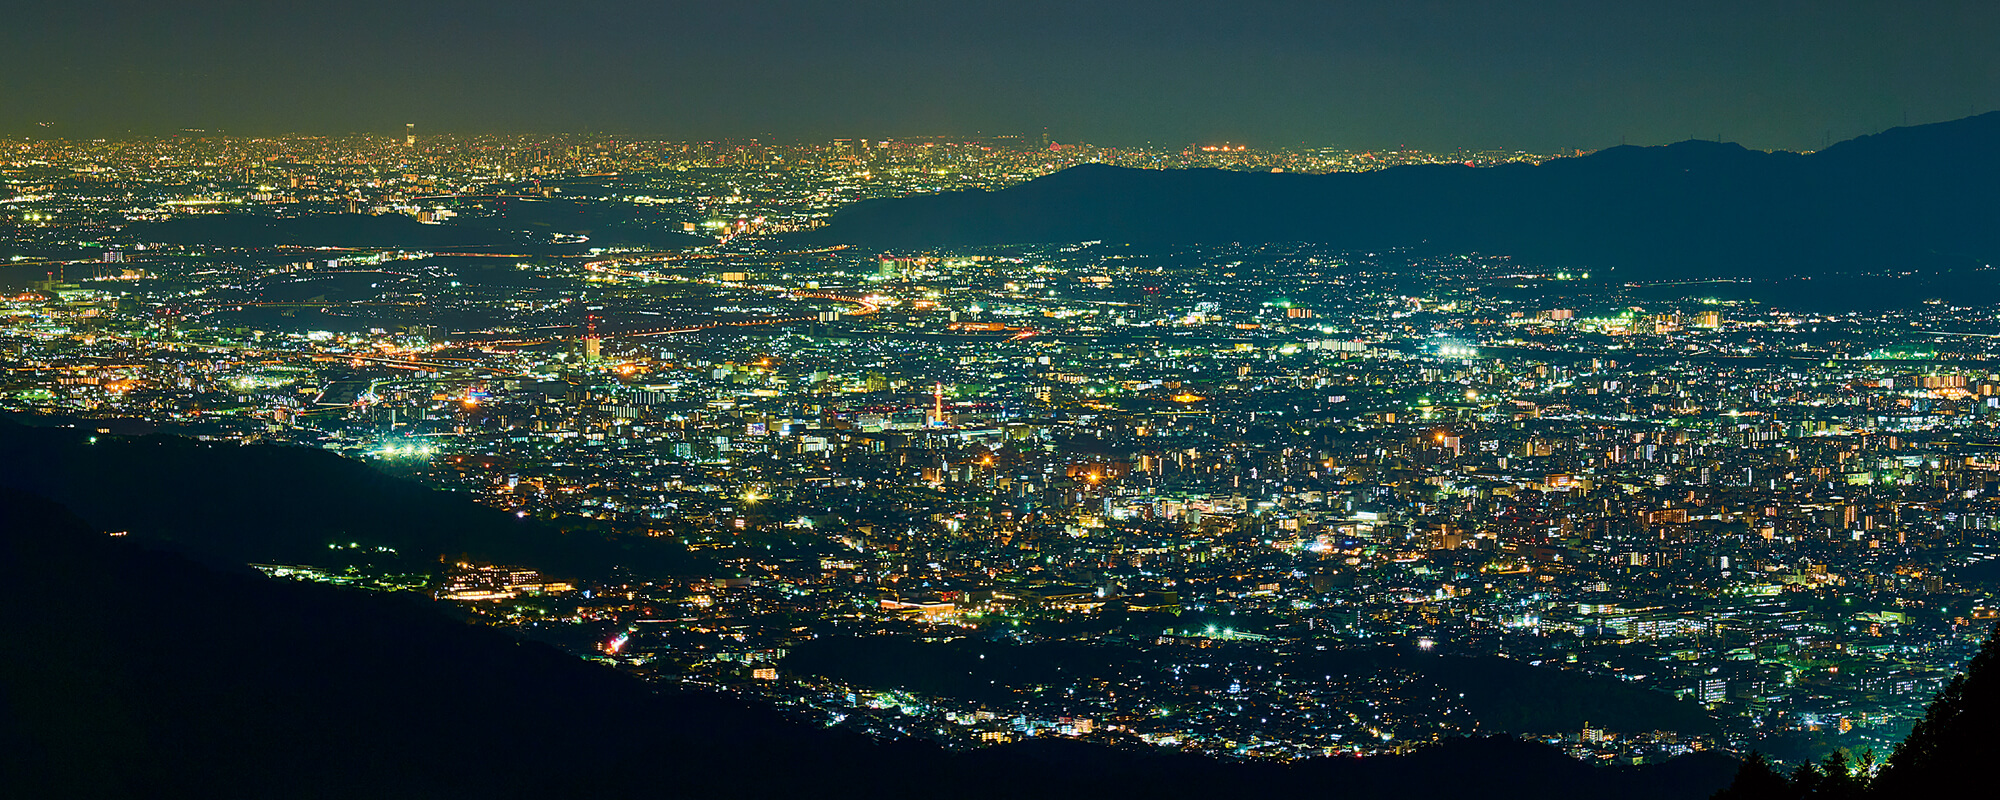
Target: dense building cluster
{"points": [[1268, 501], [62, 195]]}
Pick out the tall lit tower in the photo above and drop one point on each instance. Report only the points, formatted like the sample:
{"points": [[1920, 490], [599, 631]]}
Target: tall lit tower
{"points": [[593, 347], [937, 404], [410, 134]]}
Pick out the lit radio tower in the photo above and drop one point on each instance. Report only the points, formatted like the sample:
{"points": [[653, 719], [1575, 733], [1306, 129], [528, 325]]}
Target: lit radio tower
{"points": [[592, 346]]}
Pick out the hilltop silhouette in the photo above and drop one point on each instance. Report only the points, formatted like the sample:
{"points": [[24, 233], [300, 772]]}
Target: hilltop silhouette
{"points": [[280, 504], [1944, 755], [138, 671], [1909, 198]]}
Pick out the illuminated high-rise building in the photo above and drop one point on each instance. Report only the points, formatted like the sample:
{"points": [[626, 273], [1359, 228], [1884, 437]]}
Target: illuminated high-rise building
{"points": [[410, 134]]}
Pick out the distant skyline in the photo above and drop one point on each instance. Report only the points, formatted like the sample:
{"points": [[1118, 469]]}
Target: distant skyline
{"points": [[1432, 74]]}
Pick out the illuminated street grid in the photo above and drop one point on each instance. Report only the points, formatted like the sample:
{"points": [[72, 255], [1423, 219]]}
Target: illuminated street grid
{"points": [[1199, 484]]}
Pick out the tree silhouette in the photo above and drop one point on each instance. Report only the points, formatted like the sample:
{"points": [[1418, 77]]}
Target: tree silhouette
{"points": [[1945, 750], [1942, 755], [1756, 780], [1839, 780]]}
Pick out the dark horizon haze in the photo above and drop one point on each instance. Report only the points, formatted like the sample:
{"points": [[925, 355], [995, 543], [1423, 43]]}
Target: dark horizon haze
{"points": [[1433, 74]]}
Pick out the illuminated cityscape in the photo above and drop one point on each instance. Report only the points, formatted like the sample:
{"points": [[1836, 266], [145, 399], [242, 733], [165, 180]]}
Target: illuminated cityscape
{"points": [[1167, 400], [1260, 501]]}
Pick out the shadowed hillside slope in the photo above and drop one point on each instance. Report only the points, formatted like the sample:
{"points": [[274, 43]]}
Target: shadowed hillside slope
{"points": [[138, 673], [280, 504]]}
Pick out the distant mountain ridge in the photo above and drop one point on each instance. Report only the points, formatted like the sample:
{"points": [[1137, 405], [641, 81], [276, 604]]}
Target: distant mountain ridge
{"points": [[1919, 197]]}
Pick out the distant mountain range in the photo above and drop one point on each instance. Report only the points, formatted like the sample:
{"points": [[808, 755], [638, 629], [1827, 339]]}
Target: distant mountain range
{"points": [[1922, 197]]}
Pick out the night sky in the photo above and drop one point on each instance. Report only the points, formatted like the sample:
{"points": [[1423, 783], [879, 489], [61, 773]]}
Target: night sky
{"points": [[1440, 75]]}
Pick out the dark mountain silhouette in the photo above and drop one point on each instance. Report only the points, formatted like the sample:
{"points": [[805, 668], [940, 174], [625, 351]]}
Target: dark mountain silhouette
{"points": [[285, 505], [1919, 197], [139, 673], [136, 672], [270, 504]]}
